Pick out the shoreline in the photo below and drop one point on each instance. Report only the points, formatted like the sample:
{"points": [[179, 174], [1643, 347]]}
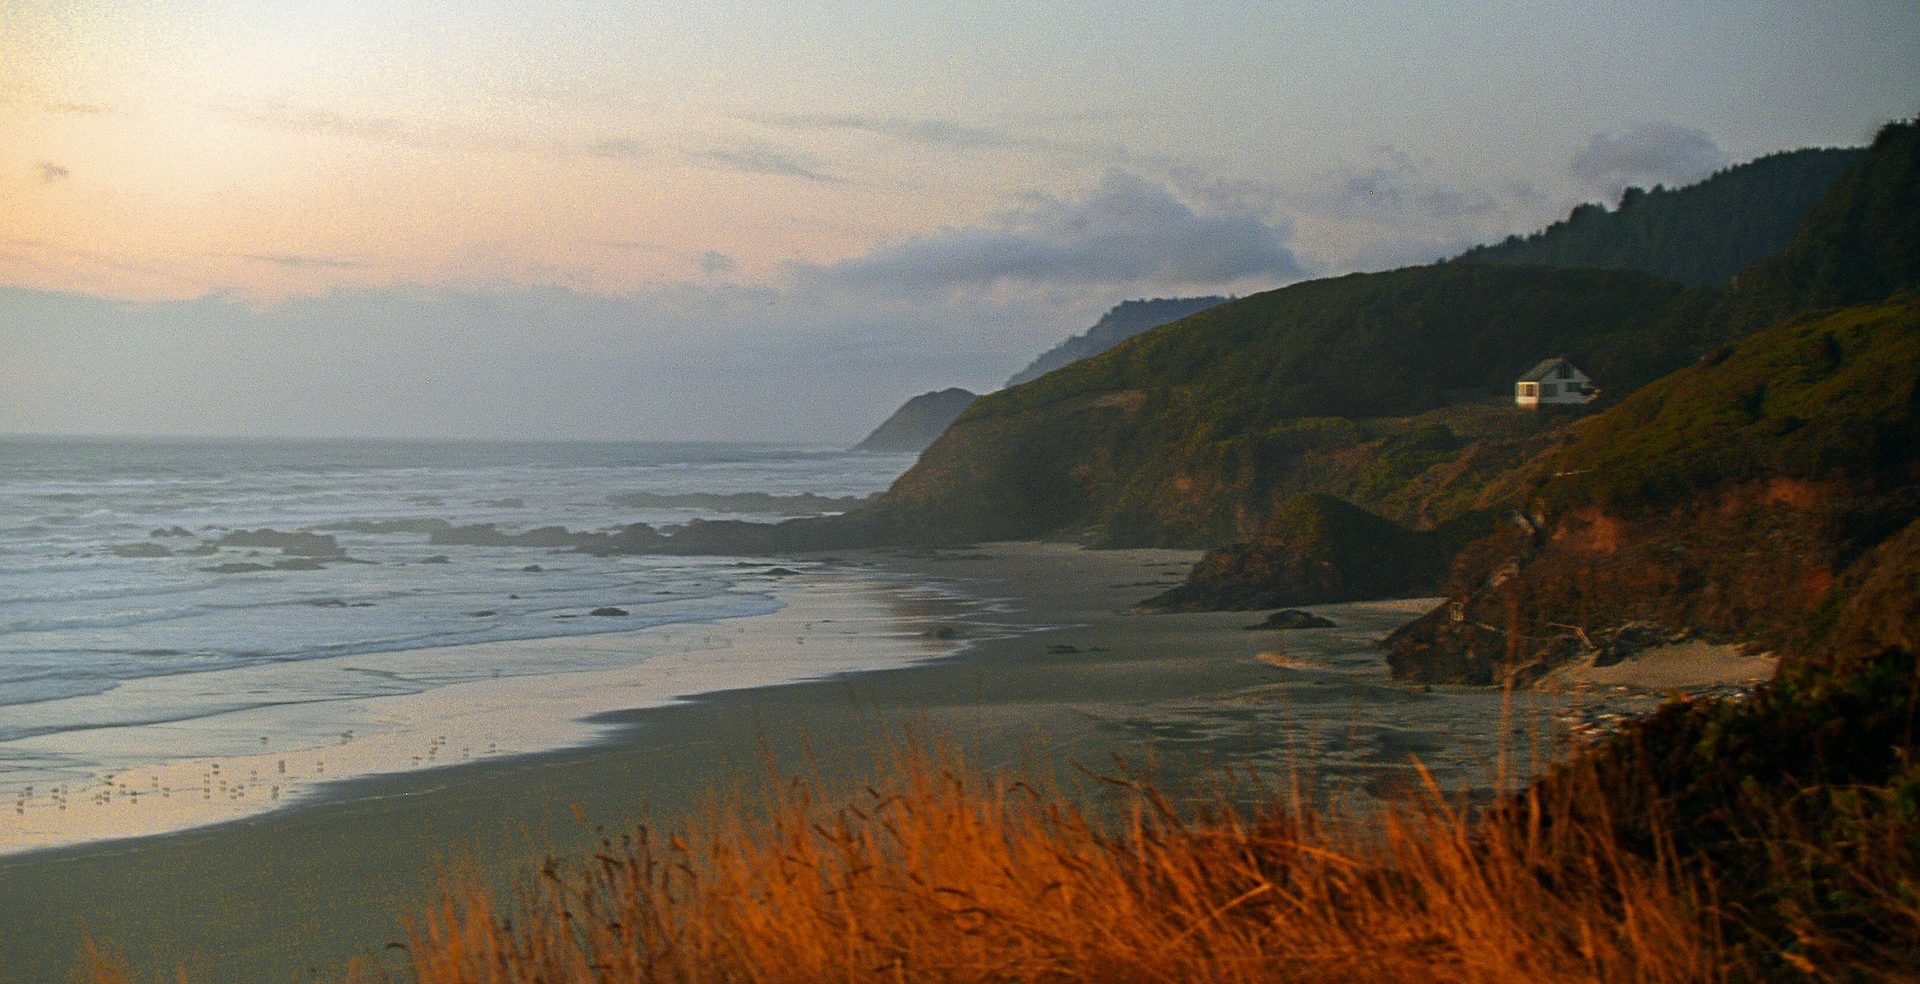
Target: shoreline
{"points": [[1078, 678], [311, 749]]}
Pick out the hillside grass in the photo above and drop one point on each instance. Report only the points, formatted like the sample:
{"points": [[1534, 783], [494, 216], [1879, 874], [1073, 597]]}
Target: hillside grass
{"points": [[1829, 397]]}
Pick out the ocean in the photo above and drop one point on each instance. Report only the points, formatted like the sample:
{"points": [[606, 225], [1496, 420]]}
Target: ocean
{"points": [[131, 638]]}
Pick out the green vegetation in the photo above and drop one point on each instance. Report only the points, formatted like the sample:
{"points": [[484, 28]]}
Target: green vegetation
{"points": [[1701, 234], [1378, 345], [1192, 432], [1802, 805], [1860, 245], [1123, 321], [1735, 498], [1833, 398]]}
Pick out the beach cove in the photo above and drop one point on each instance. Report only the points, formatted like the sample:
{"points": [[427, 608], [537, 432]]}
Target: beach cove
{"points": [[1022, 653]]}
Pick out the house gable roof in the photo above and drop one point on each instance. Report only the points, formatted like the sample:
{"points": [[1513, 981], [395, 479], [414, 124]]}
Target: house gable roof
{"points": [[1540, 371]]}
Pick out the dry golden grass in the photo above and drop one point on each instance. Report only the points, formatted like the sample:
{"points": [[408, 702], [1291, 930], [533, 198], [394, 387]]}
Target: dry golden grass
{"points": [[945, 874]]}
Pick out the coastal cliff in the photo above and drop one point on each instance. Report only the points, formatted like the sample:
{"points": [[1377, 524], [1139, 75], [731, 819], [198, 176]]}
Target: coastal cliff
{"points": [[918, 422], [1730, 500], [1736, 498], [1191, 433], [1123, 321]]}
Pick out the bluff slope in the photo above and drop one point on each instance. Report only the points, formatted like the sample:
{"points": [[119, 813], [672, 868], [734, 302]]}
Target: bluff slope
{"points": [[1740, 497]]}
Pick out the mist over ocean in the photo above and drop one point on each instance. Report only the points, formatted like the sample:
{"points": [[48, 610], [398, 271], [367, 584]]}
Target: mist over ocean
{"points": [[108, 577]]}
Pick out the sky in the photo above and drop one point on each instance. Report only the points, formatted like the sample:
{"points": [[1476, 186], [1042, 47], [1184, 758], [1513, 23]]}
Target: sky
{"points": [[777, 221]]}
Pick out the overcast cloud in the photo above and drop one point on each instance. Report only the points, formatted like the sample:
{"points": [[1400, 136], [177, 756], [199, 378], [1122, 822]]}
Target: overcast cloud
{"points": [[1653, 153], [1126, 229], [823, 355]]}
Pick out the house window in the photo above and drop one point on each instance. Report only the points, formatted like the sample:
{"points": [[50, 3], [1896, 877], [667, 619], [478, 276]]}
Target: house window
{"points": [[1564, 372], [1548, 389], [1529, 389]]}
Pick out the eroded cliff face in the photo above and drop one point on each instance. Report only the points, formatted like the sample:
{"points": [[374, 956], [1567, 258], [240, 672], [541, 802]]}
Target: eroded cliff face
{"points": [[1753, 564]]}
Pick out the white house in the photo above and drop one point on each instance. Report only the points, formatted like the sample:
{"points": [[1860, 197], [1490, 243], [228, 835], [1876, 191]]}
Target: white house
{"points": [[1554, 381]]}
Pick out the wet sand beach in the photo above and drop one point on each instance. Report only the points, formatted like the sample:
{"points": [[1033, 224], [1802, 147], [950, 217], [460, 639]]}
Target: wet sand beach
{"points": [[1057, 666]]}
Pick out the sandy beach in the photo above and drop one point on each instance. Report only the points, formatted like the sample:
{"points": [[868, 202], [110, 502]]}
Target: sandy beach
{"points": [[1049, 662]]}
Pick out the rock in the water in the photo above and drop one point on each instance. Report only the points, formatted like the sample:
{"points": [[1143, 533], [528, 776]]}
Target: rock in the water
{"points": [[140, 550], [801, 504], [292, 544], [609, 612], [1293, 618]]}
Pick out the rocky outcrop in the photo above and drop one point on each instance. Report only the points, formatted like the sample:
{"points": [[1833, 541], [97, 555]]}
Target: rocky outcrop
{"points": [[293, 544], [633, 538], [1317, 550], [139, 550], [1288, 619]]}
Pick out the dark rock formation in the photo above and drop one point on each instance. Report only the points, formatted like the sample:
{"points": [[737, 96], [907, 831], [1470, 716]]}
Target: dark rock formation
{"points": [[383, 526], [1316, 550], [139, 550], [1294, 618], [295, 544]]}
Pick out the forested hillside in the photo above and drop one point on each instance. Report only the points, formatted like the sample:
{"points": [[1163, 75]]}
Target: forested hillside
{"points": [[1123, 321], [1187, 434], [1701, 234], [1861, 244]]}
